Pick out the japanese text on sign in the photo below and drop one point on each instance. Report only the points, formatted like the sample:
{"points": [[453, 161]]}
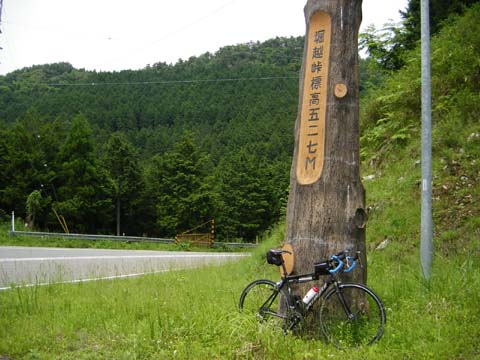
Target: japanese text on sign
{"points": [[314, 100]]}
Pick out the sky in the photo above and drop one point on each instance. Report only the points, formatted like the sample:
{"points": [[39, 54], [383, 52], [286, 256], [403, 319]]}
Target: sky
{"points": [[113, 35]]}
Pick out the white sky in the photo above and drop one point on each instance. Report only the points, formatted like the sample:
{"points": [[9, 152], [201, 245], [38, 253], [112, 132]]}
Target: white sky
{"points": [[118, 34]]}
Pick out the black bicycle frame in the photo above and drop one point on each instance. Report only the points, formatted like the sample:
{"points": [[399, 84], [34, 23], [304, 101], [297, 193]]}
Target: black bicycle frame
{"points": [[300, 279], [266, 305]]}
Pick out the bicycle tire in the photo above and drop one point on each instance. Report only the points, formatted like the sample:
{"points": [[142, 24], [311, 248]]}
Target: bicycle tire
{"points": [[262, 299], [352, 315]]}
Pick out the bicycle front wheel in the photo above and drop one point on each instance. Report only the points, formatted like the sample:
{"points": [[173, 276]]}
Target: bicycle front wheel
{"points": [[352, 315], [266, 302]]}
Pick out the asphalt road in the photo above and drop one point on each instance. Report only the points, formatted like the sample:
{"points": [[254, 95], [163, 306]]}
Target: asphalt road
{"points": [[34, 265]]}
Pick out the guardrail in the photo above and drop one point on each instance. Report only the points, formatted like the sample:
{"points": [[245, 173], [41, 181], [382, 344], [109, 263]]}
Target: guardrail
{"points": [[92, 237], [119, 238], [234, 245]]}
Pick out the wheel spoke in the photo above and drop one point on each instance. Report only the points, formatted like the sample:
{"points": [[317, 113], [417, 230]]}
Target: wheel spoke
{"points": [[263, 300], [352, 316]]}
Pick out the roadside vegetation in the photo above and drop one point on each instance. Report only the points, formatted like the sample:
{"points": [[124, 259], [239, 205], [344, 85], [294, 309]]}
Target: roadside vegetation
{"points": [[60, 242], [193, 314]]}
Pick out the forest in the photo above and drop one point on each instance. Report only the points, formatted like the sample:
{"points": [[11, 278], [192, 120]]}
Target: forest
{"points": [[160, 150], [169, 146]]}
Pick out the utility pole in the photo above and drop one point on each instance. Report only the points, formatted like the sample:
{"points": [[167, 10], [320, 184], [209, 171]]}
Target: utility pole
{"points": [[1, 8], [426, 241]]}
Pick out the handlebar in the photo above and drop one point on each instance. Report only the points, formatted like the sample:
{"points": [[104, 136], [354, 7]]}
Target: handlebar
{"points": [[336, 263], [352, 262], [339, 260], [339, 266]]}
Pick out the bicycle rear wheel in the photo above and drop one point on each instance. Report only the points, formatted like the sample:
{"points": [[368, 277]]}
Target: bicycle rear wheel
{"points": [[352, 315], [266, 302]]}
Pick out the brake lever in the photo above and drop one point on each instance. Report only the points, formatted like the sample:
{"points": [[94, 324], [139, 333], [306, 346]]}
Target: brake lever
{"points": [[350, 264]]}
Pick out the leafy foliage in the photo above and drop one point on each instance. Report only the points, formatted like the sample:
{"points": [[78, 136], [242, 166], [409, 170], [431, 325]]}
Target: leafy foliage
{"points": [[82, 185], [391, 114], [440, 10], [389, 45], [247, 192], [123, 169], [391, 118], [161, 179], [182, 188], [211, 137], [248, 155]]}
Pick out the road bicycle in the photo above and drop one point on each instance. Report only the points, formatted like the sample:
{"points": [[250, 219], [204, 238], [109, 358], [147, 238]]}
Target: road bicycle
{"points": [[348, 314]]}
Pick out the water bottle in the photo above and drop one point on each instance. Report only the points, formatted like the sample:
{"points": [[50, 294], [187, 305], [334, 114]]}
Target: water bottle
{"points": [[310, 295]]}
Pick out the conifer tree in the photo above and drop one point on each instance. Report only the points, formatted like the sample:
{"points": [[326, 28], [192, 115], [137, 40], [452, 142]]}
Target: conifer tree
{"points": [[244, 196], [121, 163], [180, 183], [82, 186]]}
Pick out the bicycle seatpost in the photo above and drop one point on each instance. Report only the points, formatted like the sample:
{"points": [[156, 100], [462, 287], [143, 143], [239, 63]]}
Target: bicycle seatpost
{"points": [[284, 268]]}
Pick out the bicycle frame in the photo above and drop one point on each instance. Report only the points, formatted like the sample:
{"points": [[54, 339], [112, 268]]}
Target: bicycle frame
{"points": [[303, 278], [348, 303]]}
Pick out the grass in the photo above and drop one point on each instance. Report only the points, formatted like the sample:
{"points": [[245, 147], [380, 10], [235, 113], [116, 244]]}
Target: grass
{"points": [[193, 314], [21, 240]]}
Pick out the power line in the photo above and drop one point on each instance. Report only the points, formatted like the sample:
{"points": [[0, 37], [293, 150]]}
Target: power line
{"points": [[170, 34], [169, 81]]}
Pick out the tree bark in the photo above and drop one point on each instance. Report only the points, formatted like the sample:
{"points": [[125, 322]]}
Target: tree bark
{"points": [[118, 214], [325, 211]]}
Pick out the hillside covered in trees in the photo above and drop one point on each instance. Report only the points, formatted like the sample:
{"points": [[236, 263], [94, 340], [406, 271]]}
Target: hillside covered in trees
{"points": [[173, 145]]}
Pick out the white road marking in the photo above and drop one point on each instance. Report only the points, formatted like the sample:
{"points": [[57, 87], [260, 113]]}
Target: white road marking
{"points": [[111, 257], [47, 269], [113, 277]]}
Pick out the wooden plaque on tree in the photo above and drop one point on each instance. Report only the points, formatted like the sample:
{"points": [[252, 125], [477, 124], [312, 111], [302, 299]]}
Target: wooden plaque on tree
{"points": [[288, 259], [314, 103]]}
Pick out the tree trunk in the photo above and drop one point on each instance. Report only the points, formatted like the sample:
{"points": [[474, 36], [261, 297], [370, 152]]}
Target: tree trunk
{"points": [[325, 211], [118, 214]]}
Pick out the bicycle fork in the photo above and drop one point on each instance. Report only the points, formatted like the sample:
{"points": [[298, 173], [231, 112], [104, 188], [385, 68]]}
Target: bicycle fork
{"points": [[346, 308]]}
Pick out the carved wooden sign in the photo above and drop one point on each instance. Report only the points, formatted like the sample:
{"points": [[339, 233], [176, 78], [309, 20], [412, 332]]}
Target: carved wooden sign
{"points": [[326, 202], [314, 100]]}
